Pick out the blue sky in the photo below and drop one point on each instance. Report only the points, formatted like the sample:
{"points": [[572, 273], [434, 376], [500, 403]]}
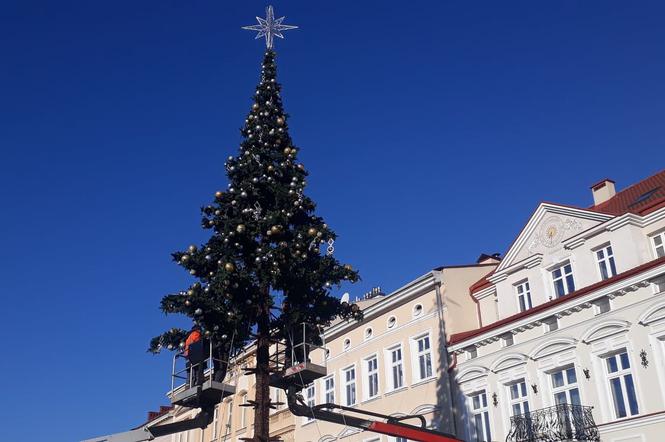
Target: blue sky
{"points": [[431, 131]]}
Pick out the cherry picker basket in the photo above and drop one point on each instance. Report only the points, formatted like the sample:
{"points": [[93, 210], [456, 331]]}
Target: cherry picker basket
{"points": [[197, 379], [291, 361]]}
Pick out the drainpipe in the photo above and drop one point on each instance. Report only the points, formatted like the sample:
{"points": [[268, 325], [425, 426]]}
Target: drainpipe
{"points": [[438, 281]]}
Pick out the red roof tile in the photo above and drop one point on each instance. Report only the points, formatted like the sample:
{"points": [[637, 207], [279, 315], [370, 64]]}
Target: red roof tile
{"points": [[627, 200], [463, 336]]}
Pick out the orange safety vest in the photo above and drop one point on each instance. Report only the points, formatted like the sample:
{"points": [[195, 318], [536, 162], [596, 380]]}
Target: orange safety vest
{"points": [[193, 337]]}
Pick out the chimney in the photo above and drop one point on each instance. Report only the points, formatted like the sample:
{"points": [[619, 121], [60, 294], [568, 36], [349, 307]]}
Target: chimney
{"points": [[602, 191]]}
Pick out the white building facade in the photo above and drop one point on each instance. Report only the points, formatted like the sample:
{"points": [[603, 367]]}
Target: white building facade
{"points": [[572, 338]]}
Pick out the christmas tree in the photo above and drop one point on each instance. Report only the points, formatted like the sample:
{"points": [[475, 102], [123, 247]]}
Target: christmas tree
{"points": [[268, 265]]}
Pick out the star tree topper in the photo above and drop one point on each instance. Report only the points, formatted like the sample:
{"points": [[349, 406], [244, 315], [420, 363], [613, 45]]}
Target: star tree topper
{"points": [[269, 27]]}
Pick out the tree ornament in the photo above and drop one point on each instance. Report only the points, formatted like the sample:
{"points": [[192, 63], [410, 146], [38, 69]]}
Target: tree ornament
{"points": [[240, 228], [192, 248], [255, 106], [229, 267], [188, 303], [218, 194], [275, 229], [287, 151], [198, 312], [280, 121], [311, 231], [184, 258]]}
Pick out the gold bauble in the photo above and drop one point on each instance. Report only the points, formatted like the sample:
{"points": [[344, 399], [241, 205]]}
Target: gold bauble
{"points": [[311, 231], [218, 194], [229, 267], [348, 267], [271, 168], [240, 228], [280, 121], [192, 248], [287, 150], [275, 229]]}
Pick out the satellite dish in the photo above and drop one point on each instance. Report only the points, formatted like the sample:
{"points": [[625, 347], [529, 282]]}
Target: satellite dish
{"points": [[345, 297]]}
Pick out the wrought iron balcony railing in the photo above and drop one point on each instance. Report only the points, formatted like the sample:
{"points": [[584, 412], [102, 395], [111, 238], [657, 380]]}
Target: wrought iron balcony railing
{"points": [[564, 422]]}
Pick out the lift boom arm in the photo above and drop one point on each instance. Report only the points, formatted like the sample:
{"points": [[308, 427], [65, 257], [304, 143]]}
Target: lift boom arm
{"points": [[392, 426]]}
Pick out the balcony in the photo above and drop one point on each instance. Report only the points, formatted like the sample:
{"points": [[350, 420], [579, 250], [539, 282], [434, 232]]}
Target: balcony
{"points": [[563, 422]]}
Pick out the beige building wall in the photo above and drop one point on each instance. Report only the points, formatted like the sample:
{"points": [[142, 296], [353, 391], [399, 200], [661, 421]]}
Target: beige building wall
{"points": [[402, 332]]}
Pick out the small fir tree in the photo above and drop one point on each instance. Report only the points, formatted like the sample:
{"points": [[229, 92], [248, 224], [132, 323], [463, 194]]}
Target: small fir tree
{"points": [[266, 245]]}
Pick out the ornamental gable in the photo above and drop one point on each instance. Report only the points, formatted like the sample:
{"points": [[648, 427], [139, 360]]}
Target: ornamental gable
{"points": [[547, 230]]}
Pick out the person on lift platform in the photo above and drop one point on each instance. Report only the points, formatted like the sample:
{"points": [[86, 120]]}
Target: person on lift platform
{"points": [[194, 351]]}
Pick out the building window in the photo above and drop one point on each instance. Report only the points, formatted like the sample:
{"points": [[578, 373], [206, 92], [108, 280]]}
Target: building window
{"points": [[329, 390], [562, 278], [480, 417], [215, 418], [243, 411], [310, 394], [602, 305], [621, 385], [519, 402], [471, 352], [396, 367], [347, 344], [507, 340], [275, 397], [564, 387], [423, 357], [551, 324], [229, 413], [659, 244], [606, 265], [368, 333], [372, 377], [349, 376], [392, 321], [417, 310], [524, 296]]}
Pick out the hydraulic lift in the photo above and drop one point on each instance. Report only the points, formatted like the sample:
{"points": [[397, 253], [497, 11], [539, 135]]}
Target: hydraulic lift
{"points": [[292, 374]]}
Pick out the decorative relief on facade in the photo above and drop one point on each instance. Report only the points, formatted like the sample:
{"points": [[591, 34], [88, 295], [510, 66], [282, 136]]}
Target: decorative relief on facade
{"points": [[552, 232]]}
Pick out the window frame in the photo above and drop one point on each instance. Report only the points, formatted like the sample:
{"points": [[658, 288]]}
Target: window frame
{"points": [[566, 387], [564, 279], [483, 411], [390, 367], [521, 399], [621, 373], [325, 390], [345, 384], [416, 355], [525, 295], [607, 262], [654, 247], [368, 374], [310, 400]]}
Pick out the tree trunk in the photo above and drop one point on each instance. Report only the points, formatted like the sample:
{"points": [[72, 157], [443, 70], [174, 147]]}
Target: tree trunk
{"points": [[262, 398]]}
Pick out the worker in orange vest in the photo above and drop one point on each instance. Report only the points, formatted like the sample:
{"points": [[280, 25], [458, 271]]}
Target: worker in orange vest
{"points": [[194, 358]]}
